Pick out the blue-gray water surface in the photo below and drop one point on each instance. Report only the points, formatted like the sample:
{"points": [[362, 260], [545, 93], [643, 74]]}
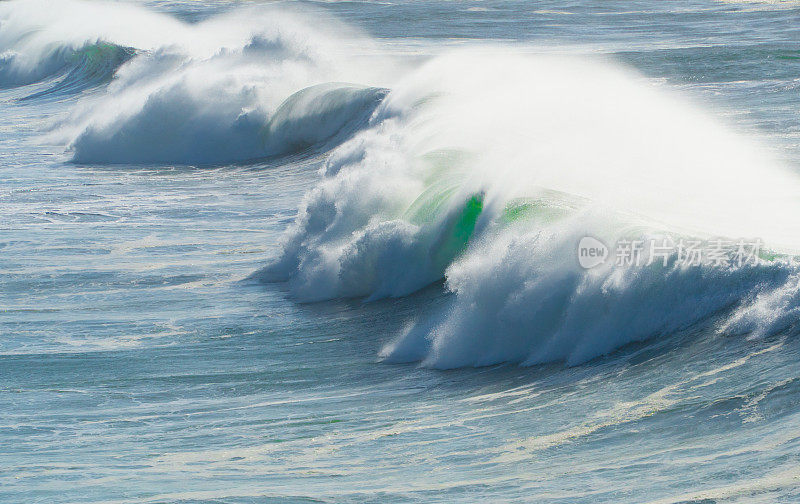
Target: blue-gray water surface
{"points": [[139, 362]]}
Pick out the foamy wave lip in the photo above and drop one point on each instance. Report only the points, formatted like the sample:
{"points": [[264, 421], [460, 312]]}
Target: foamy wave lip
{"points": [[770, 312], [382, 223], [340, 246], [176, 125]]}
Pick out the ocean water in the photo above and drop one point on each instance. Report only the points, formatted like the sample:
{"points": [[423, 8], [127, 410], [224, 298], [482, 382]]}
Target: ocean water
{"points": [[326, 251]]}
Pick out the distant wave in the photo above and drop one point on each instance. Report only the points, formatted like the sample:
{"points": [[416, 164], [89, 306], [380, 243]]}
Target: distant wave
{"points": [[68, 70], [74, 42], [252, 83]]}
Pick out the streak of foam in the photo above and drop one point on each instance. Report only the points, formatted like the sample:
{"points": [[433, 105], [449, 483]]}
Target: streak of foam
{"points": [[624, 412], [761, 489]]}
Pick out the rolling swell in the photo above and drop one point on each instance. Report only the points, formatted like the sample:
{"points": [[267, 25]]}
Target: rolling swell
{"points": [[317, 114]]}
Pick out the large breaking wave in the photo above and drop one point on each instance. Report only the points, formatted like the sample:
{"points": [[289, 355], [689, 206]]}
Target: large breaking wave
{"points": [[490, 181], [482, 167]]}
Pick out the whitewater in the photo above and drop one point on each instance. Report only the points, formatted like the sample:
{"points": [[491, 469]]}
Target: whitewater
{"points": [[330, 251]]}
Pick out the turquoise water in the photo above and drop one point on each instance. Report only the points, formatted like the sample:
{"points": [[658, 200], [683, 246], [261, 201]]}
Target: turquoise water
{"points": [[191, 311]]}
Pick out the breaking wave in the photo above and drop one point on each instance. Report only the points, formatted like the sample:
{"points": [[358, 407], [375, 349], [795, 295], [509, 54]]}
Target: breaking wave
{"points": [[247, 84], [490, 181]]}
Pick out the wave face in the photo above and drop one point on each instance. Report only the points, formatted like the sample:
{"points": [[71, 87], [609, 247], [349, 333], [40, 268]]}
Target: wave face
{"points": [[490, 181], [251, 83], [178, 125]]}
